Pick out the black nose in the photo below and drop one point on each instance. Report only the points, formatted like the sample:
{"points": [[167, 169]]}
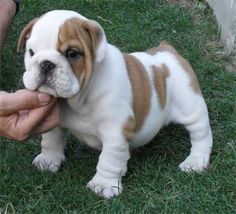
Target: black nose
{"points": [[47, 66]]}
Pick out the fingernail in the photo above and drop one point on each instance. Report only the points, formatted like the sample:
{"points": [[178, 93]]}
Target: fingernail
{"points": [[44, 99]]}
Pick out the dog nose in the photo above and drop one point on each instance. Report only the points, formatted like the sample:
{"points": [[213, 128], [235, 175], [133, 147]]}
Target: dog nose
{"points": [[47, 66]]}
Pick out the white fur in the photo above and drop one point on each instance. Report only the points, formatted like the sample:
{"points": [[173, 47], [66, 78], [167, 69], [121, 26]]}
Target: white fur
{"points": [[99, 121], [63, 81]]}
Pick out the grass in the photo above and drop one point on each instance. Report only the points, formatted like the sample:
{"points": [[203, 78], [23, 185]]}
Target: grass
{"points": [[153, 183]]}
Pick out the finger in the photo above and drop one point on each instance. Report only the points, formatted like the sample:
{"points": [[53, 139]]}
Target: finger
{"points": [[48, 123], [28, 122], [6, 124], [18, 126], [21, 100]]}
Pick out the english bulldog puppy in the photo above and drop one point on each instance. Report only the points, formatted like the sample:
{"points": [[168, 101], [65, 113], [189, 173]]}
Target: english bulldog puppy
{"points": [[113, 102]]}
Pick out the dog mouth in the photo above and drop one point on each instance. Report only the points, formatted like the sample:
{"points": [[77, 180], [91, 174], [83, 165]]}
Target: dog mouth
{"points": [[40, 82], [49, 72], [47, 89], [35, 78], [58, 82]]}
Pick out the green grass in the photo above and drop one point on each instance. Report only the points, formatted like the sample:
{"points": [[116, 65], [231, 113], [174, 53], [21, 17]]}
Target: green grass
{"points": [[154, 183]]}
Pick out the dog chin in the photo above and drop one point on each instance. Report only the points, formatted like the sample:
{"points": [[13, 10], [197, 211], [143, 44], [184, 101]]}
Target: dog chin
{"points": [[48, 90], [59, 92]]}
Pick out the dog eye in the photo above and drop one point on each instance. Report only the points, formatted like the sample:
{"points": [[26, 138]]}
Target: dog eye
{"points": [[31, 52], [72, 54]]}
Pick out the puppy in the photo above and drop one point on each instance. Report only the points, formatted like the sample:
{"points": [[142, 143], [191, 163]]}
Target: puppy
{"points": [[112, 101]]}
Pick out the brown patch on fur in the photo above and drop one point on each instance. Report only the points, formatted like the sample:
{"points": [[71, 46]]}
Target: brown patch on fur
{"points": [[160, 75], [25, 34], [84, 37], [129, 128], [95, 33], [165, 46], [166, 70], [141, 91]]}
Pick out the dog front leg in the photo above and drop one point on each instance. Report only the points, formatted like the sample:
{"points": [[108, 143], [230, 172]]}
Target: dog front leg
{"points": [[53, 144], [112, 164]]}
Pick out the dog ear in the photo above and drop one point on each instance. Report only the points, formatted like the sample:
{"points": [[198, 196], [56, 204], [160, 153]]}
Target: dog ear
{"points": [[25, 34], [98, 39]]}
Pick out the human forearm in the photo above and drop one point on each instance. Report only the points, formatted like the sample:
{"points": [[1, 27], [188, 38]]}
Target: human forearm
{"points": [[8, 9]]}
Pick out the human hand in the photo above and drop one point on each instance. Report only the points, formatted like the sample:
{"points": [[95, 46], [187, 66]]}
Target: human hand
{"points": [[26, 113]]}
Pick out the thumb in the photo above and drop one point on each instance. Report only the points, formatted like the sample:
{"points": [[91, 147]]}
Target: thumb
{"points": [[22, 100]]}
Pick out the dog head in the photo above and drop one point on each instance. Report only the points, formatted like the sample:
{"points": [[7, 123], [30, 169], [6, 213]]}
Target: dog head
{"points": [[61, 49]]}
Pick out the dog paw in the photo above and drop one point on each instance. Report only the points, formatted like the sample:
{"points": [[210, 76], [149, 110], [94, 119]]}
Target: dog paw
{"points": [[104, 187], [46, 162], [197, 163]]}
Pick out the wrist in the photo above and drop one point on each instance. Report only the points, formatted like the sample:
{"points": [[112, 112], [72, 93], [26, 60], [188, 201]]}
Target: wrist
{"points": [[8, 8]]}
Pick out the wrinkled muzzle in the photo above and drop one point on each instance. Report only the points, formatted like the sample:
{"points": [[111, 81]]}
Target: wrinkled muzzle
{"points": [[50, 72]]}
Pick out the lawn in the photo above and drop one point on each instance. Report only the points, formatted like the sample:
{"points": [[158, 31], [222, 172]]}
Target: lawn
{"points": [[153, 184]]}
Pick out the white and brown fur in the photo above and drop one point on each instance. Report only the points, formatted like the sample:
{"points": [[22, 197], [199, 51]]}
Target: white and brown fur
{"points": [[113, 102]]}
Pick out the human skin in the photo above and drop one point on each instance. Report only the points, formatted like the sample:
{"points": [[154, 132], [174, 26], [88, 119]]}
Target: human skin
{"points": [[7, 12], [24, 113]]}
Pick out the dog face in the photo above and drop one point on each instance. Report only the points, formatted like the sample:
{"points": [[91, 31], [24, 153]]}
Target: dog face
{"points": [[61, 49]]}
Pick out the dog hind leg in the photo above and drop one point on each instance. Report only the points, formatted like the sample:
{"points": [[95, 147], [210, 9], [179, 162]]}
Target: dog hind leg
{"points": [[196, 121]]}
